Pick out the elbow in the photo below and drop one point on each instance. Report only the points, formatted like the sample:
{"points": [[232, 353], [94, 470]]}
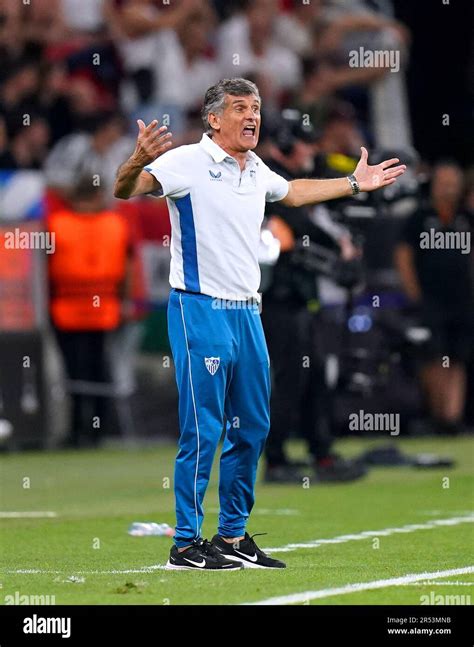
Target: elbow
{"points": [[118, 193]]}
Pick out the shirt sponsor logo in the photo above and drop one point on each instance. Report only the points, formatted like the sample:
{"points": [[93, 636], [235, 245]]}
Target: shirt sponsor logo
{"points": [[216, 176]]}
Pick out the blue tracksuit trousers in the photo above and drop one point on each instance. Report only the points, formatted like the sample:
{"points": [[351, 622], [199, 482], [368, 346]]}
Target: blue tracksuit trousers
{"points": [[222, 369]]}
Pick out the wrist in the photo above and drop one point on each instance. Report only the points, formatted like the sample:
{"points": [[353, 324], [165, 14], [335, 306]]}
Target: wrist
{"points": [[136, 164], [353, 184]]}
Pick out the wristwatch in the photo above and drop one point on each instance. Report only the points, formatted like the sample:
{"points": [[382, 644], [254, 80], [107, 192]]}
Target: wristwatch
{"points": [[354, 184]]}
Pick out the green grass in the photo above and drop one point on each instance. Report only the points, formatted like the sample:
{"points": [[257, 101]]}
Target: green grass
{"points": [[96, 495]]}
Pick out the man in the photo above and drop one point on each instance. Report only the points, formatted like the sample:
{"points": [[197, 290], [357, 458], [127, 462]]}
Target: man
{"points": [[438, 280], [300, 398], [87, 153], [216, 192], [88, 278]]}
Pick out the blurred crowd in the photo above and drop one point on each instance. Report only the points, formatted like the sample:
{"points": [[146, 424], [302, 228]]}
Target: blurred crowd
{"points": [[78, 73]]}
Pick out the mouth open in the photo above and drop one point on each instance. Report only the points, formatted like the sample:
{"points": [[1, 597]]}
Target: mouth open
{"points": [[249, 131]]}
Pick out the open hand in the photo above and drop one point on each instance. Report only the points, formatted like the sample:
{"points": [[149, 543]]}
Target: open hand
{"points": [[151, 143], [375, 177]]}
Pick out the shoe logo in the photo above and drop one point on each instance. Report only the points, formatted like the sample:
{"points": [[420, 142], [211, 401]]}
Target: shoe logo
{"points": [[252, 558], [198, 564], [216, 176], [212, 364]]}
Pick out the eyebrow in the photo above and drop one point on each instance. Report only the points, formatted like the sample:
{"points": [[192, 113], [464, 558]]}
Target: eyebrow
{"points": [[241, 101]]}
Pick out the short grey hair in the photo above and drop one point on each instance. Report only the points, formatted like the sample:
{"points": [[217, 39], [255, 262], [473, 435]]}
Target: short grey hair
{"points": [[214, 99]]}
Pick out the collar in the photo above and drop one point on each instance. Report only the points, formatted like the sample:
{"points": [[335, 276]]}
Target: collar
{"points": [[217, 153]]}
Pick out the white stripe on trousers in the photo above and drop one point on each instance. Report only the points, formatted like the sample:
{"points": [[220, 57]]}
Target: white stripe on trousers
{"points": [[195, 417]]}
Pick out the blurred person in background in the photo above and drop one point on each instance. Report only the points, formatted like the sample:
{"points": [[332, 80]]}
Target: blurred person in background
{"points": [[11, 37], [135, 26], [43, 23], [185, 54], [55, 100], [439, 285], [300, 398], [19, 88], [319, 94], [88, 278], [27, 144], [84, 19], [294, 29], [247, 45], [92, 152], [342, 26]]}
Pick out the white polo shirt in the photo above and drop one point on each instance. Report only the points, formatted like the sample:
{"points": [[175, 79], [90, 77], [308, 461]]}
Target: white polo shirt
{"points": [[216, 212]]}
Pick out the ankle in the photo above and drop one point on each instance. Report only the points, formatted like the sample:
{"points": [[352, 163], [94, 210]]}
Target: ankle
{"points": [[231, 540]]}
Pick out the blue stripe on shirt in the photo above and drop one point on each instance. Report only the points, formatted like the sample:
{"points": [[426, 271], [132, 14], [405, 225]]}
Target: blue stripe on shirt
{"points": [[188, 243]]}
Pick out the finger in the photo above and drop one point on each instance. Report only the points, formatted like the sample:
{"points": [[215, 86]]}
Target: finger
{"points": [[159, 133], [388, 163], [162, 142], [151, 137], [141, 126], [364, 154], [158, 141], [392, 177], [395, 172], [151, 126]]}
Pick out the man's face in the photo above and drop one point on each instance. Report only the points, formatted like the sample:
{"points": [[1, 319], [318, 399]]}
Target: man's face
{"points": [[238, 126]]}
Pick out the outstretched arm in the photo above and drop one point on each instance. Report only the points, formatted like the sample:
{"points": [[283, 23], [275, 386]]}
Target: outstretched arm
{"points": [[369, 178], [131, 179]]}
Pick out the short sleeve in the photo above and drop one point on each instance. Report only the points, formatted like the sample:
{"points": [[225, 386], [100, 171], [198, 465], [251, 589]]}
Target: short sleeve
{"points": [[276, 187], [172, 172]]}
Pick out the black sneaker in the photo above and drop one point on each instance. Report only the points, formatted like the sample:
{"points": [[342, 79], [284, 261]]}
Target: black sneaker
{"points": [[201, 556], [247, 552], [283, 474]]}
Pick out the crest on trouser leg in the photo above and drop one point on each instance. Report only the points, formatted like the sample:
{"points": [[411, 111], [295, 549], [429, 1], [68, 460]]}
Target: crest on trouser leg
{"points": [[212, 364]]}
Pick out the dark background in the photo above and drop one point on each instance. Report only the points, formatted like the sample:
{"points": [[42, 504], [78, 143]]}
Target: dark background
{"points": [[440, 76]]}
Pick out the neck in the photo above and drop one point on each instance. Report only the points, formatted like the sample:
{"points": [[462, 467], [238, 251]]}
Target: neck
{"points": [[240, 156]]}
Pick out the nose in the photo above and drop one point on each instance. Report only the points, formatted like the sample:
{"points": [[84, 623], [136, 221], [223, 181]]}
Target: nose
{"points": [[249, 114]]}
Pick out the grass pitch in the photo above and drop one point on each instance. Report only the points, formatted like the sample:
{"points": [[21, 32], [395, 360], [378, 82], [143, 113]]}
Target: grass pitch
{"points": [[85, 556]]}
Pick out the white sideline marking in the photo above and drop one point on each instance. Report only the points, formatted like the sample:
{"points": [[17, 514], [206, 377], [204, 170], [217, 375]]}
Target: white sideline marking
{"points": [[294, 598], [385, 532], [27, 515]]}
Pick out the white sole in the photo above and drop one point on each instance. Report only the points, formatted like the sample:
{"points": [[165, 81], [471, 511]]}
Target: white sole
{"points": [[174, 567]]}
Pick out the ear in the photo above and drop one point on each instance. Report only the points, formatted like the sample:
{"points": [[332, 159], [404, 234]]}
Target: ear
{"points": [[214, 121]]}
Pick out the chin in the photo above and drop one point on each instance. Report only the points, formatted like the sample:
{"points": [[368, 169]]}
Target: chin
{"points": [[249, 145]]}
